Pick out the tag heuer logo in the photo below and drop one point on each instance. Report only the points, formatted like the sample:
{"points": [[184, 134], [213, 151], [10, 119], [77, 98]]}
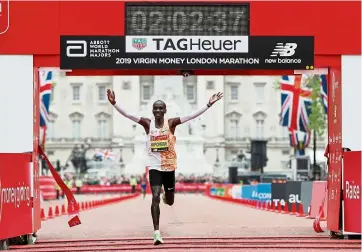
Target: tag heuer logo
{"points": [[139, 43]]}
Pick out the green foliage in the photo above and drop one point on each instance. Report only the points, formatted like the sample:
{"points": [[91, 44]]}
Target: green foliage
{"points": [[276, 83], [317, 118]]}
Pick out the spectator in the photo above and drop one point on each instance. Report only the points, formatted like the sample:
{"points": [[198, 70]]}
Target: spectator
{"points": [[133, 183], [78, 184]]}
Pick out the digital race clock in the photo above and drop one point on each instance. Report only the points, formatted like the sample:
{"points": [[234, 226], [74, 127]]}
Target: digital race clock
{"points": [[180, 19]]}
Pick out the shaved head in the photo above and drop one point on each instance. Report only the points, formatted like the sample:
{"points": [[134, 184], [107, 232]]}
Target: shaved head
{"points": [[159, 102]]}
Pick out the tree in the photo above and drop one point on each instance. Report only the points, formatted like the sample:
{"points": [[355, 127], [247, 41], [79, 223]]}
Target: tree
{"points": [[317, 117]]}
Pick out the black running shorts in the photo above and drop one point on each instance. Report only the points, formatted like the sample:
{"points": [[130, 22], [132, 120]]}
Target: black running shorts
{"points": [[165, 178]]}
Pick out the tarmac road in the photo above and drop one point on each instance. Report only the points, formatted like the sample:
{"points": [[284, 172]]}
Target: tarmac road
{"points": [[193, 223]]}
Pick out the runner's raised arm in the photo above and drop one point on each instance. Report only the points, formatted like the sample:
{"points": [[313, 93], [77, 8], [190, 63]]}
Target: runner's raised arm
{"points": [[112, 99], [193, 115]]}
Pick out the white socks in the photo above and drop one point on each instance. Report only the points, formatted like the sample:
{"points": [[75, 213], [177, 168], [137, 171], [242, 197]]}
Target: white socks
{"points": [[157, 231]]}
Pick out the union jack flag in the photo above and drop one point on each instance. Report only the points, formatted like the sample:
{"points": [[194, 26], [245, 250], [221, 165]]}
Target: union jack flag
{"points": [[106, 155], [45, 86], [324, 92], [295, 102], [300, 141]]}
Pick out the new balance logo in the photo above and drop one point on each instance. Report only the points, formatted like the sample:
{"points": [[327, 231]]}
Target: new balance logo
{"points": [[282, 50]]}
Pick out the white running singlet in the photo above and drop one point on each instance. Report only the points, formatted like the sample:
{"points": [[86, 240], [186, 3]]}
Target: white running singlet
{"points": [[161, 148]]}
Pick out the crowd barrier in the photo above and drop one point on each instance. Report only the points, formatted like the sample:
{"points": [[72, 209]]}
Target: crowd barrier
{"points": [[351, 201], [17, 201], [59, 210], [303, 198], [48, 188]]}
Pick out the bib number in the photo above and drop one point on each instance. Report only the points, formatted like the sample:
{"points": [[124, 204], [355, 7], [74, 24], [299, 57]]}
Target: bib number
{"points": [[159, 143]]}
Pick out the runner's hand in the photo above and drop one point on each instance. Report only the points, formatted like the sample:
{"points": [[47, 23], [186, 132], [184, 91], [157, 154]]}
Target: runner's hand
{"points": [[111, 96], [215, 98]]}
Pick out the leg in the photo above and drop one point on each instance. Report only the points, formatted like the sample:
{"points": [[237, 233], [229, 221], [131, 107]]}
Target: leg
{"points": [[144, 191], [156, 184], [155, 206], [168, 181]]}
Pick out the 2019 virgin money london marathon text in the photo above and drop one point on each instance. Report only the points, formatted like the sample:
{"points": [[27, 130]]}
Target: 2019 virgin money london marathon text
{"points": [[177, 61]]}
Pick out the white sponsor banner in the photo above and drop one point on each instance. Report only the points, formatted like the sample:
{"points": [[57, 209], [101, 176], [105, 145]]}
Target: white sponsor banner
{"points": [[187, 44], [236, 192]]}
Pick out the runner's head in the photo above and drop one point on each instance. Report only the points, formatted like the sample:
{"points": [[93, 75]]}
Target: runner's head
{"points": [[159, 109]]}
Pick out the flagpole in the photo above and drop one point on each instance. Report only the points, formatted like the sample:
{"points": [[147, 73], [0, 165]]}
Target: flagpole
{"points": [[314, 152]]}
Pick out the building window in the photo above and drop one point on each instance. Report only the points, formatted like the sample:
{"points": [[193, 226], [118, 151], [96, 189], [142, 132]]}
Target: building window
{"points": [[146, 87], [233, 93], [260, 129], [146, 92], [102, 93], [286, 152], [50, 130], [210, 85], [189, 85], [259, 92], [234, 128], [190, 92], [103, 129], [233, 155], [76, 93], [76, 129], [126, 85]]}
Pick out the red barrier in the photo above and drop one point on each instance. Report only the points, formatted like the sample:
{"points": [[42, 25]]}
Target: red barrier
{"points": [[318, 194], [352, 191], [47, 187], [184, 187], [16, 197], [86, 205]]}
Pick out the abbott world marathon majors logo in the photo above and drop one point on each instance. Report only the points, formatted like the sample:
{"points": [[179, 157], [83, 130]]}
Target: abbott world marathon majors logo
{"points": [[14, 196], [90, 49]]}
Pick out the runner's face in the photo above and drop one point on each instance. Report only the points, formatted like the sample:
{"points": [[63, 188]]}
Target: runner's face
{"points": [[159, 109]]}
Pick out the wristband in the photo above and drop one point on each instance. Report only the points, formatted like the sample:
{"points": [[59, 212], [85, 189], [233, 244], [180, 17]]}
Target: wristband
{"points": [[208, 105]]}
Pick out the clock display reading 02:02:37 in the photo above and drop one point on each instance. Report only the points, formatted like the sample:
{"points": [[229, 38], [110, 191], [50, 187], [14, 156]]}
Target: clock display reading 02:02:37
{"points": [[187, 20]]}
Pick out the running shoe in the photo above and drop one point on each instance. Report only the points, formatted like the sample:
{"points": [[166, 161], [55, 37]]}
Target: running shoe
{"points": [[157, 239]]}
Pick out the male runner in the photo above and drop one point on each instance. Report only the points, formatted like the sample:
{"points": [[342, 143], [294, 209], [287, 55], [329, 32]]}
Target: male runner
{"points": [[161, 151]]}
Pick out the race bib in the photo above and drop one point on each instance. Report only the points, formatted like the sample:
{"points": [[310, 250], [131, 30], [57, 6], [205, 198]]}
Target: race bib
{"points": [[159, 143]]}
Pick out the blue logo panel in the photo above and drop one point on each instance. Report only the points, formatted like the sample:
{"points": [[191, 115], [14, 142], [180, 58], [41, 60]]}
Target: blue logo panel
{"points": [[247, 191], [213, 191], [261, 192], [264, 192]]}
